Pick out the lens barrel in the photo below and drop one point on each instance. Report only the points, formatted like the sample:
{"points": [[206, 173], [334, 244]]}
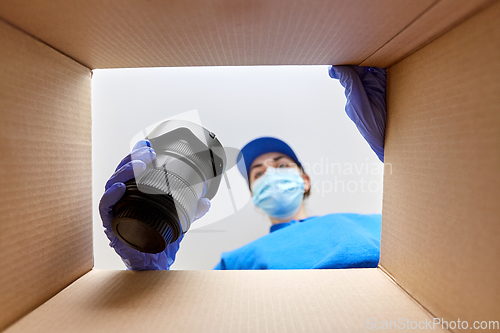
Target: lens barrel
{"points": [[160, 204]]}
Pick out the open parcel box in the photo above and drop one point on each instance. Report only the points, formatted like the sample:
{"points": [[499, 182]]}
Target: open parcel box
{"points": [[440, 252]]}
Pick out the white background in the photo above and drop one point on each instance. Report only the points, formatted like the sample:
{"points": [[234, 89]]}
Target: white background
{"points": [[301, 105]]}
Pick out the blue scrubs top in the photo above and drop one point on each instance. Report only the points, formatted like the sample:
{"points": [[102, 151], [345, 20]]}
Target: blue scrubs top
{"points": [[332, 241]]}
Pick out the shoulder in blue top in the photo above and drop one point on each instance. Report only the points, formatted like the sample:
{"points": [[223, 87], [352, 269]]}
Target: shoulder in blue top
{"points": [[341, 240]]}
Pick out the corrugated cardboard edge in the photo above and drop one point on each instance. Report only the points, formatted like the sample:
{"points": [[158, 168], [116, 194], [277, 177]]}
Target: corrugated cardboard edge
{"points": [[46, 206]]}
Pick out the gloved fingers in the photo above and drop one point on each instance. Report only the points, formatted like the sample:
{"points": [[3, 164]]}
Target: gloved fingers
{"points": [[141, 144], [366, 101], [203, 207], [108, 200], [127, 172], [133, 259], [145, 154]]}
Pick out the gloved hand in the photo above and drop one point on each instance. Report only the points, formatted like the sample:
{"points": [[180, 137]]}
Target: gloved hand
{"points": [[365, 92], [142, 153]]}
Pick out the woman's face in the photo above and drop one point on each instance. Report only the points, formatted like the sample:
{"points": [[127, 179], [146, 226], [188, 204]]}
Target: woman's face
{"points": [[274, 160]]}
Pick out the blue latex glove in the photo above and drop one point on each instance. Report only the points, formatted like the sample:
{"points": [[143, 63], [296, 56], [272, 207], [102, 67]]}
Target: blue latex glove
{"points": [[142, 153], [365, 106]]}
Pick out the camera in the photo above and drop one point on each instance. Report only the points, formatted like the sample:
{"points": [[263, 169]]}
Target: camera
{"points": [[160, 204]]}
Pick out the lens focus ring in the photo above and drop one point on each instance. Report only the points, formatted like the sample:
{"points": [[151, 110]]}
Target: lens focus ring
{"points": [[169, 183]]}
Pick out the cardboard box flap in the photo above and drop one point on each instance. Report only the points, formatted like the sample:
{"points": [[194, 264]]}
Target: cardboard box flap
{"points": [[140, 33], [439, 18], [441, 209], [225, 301], [46, 204]]}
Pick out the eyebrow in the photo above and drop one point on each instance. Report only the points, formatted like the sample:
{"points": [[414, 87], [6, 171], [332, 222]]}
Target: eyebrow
{"points": [[259, 165]]}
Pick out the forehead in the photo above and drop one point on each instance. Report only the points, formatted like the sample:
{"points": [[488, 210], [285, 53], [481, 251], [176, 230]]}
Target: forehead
{"points": [[262, 158]]}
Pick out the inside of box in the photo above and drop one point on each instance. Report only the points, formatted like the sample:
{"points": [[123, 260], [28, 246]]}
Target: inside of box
{"points": [[46, 234], [228, 301], [440, 203], [440, 211], [143, 33]]}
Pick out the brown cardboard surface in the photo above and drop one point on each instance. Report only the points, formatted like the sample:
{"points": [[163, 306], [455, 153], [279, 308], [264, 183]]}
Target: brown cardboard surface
{"points": [[441, 207], [141, 33], [442, 16], [45, 206], [224, 301], [440, 204]]}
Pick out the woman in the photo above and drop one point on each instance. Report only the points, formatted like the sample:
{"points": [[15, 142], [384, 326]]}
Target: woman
{"points": [[279, 186]]}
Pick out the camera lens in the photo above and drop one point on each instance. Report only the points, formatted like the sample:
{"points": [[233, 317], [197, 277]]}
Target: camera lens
{"points": [[159, 205]]}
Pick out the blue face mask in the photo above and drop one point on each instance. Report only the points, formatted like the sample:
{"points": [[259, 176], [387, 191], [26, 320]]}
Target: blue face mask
{"points": [[279, 192]]}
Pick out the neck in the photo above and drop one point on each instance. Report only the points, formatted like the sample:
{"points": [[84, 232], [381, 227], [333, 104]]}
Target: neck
{"points": [[300, 215]]}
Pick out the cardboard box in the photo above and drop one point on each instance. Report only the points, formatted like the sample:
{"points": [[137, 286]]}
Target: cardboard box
{"points": [[440, 253]]}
